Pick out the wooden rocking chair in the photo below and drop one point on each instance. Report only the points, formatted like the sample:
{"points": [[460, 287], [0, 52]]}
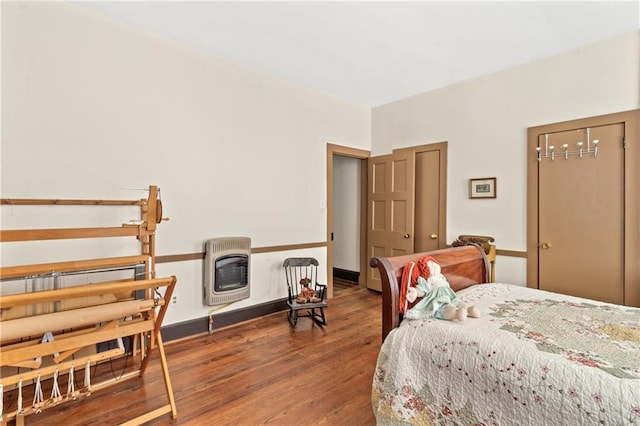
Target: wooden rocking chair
{"points": [[305, 293]]}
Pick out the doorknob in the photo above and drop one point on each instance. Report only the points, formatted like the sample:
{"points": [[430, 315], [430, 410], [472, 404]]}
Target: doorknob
{"points": [[406, 235], [434, 236], [545, 246]]}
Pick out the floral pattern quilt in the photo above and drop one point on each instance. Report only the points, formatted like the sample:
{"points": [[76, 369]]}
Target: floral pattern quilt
{"points": [[533, 358]]}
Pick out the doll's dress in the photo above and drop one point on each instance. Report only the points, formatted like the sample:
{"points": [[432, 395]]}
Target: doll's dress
{"points": [[437, 295]]}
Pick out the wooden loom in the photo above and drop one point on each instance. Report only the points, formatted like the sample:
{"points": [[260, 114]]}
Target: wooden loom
{"points": [[47, 333]]}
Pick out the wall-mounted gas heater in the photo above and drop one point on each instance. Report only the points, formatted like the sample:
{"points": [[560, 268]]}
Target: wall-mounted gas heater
{"points": [[226, 270]]}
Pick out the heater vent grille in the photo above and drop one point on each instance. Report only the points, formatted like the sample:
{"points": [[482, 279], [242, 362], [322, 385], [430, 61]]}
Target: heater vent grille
{"points": [[220, 245], [226, 270]]}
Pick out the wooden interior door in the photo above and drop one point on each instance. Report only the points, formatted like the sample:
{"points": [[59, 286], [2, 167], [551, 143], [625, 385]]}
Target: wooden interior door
{"points": [[581, 216], [427, 229], [391, 208]]}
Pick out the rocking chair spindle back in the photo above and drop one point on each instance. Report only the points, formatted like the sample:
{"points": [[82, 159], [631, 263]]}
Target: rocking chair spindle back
{"points": [[305, 294]]}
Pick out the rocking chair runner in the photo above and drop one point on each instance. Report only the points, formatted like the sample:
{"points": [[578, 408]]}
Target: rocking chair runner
{"points": [[302, 272]]}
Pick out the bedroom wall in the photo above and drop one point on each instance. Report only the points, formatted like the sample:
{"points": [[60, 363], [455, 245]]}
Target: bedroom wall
{"points": [[92, 108], [485, 121]]}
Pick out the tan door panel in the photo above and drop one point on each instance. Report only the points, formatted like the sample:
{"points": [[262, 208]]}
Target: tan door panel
{"points": [[427, 201], [581, 216], [391, 208]]}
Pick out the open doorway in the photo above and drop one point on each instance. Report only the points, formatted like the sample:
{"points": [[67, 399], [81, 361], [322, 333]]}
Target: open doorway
{"points": [[346, 215], [346, 222]]}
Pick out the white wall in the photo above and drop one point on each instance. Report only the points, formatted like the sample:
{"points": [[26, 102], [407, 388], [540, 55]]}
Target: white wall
{"points": [[485, 121], [91, 106]]}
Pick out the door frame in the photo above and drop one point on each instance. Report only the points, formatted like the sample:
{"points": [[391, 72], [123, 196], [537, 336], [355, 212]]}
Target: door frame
{"points": [[631, 121], [362, 155]]}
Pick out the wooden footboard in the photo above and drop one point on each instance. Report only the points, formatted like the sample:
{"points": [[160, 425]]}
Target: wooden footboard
{"points": [[463, 266]]}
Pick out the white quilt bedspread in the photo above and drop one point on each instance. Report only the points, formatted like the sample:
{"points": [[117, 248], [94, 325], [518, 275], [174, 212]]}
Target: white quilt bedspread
{"points": [[533, 358]]}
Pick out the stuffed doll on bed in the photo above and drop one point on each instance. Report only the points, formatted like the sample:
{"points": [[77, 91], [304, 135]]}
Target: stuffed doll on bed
{"points": [[425, 293]]}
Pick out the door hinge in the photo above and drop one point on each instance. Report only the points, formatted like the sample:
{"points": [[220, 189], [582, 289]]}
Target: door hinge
{"points": [[624, 143], [332, 236]]}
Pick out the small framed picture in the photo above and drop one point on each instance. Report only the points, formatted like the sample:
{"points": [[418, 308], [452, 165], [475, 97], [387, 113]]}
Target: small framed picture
{"points": [[482, 188]]}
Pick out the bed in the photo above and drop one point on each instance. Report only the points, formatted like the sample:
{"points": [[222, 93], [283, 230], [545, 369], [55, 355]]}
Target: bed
{"points": [[532, 358]]}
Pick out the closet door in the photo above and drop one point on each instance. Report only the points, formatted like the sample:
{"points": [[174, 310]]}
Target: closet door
{"points": [[581, 215], [429, 234]]}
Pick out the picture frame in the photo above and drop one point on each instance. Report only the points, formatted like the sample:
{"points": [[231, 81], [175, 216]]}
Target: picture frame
{"points": [[482, 188]]}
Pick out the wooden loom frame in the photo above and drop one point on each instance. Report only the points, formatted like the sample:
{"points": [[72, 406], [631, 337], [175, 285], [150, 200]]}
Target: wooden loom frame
{"points": [[143, 317]]}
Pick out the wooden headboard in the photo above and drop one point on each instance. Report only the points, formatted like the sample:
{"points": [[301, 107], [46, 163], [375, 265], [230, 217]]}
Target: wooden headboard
{"points": [[463, 266]]}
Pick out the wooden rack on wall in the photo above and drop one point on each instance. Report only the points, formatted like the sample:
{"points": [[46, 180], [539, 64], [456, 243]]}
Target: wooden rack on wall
{"points": [[48, 333]]}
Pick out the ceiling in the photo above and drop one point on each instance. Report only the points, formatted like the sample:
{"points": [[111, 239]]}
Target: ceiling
{"points": [[372, 53]]}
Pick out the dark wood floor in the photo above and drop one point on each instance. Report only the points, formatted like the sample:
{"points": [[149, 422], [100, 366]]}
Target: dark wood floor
{"points": [[259, 372]]}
